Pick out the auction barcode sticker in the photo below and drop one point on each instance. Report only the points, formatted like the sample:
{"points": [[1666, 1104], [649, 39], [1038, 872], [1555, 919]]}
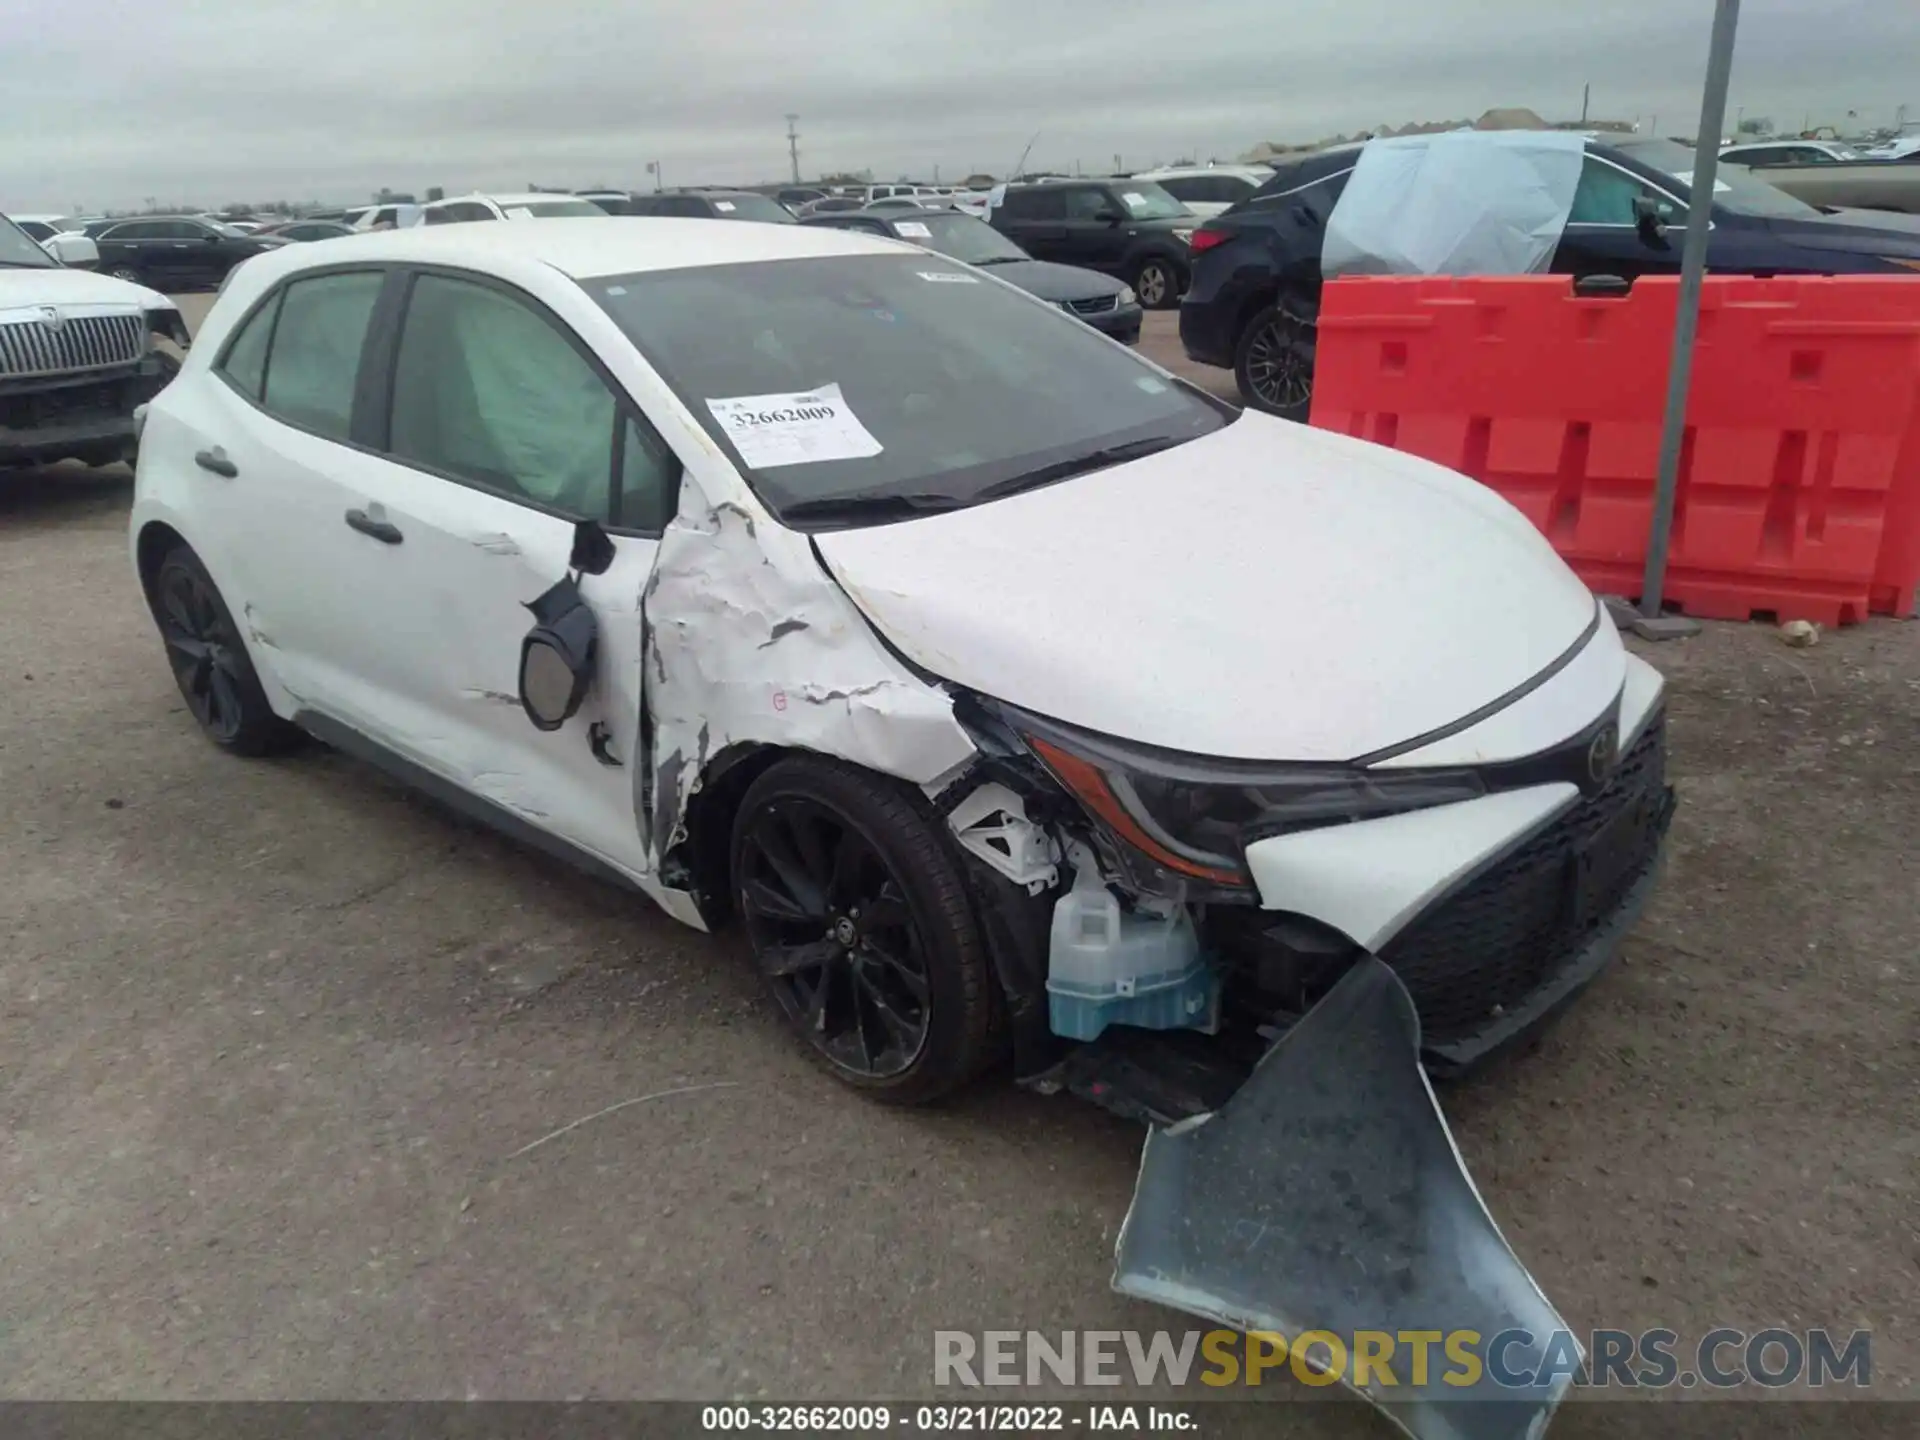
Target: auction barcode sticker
{"points": [[800, 428]]}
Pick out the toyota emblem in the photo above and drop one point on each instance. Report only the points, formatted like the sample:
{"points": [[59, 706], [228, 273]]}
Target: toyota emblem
{"points": [[52, 319], [1600, 753]]}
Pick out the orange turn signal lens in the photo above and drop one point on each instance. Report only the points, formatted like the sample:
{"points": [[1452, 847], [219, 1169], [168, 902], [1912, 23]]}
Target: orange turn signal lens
{"points": [[1087, 782]]}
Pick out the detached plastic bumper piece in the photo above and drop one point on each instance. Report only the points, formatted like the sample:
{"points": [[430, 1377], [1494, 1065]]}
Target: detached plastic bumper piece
{"points": [[1327, 1195]]}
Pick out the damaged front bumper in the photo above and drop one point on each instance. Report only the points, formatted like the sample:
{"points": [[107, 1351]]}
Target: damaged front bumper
{"points": [[1327, 1196]]}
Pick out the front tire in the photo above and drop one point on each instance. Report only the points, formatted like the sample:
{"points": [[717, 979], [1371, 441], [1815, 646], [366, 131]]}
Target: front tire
{"points": [[1273, 362], [209, 659], [859, 921], [1158, 282], [128, 274]]}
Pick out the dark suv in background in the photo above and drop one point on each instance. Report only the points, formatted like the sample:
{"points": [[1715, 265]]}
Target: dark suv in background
{"points": [[711, 205], [1255, 294], [174, 253], [1130, 229]]}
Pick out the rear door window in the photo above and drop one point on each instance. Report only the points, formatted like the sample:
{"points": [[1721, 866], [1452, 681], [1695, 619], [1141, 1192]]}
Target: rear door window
{"points": [[245, 365], [1035, 205], [314, 359]]}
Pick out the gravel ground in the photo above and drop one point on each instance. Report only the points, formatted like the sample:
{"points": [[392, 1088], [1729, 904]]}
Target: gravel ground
{"points": [[275, 1038]]}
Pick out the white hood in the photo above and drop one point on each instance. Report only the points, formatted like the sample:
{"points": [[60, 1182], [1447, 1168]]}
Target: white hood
{"points": [[21, 288], [1268, 592]]}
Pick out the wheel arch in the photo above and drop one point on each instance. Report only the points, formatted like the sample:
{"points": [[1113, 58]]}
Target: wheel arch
{"points": [[150, 547], [707, 852]]}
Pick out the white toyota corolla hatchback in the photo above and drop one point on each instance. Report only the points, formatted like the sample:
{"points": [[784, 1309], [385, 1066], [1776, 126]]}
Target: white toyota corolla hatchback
{"points": [[1012, 694]]}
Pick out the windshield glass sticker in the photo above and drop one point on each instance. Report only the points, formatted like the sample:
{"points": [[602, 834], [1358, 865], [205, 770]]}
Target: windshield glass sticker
{"points": [[519, 212], [947, 277], [794, 429], [915, 229], [1135, 200], [725, 207]]}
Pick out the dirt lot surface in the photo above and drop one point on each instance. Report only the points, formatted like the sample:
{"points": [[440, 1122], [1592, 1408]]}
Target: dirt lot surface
{"points": [[276, 1039]]}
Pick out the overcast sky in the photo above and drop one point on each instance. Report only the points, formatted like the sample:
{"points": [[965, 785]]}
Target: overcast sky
{"points": [[108, 102]]}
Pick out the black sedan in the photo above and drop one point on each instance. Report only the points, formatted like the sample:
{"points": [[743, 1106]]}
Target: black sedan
{"points": [[1256, 269], [1103, 302], [303, 230], [175, 253]]}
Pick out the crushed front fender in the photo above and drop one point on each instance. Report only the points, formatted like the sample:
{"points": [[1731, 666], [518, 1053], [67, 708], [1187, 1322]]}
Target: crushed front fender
{"points": [[1327, 1195]]}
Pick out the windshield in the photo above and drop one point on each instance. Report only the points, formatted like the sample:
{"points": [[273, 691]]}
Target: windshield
{"points": [[1735, 187], [964, 238], [752, 207], [1147, 201], [18, 250], [851, 386]]}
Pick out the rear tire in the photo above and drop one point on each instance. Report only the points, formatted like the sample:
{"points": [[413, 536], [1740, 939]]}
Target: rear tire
{"points": [[1158, 282], [209, 660], [860, 925], [1273, 361], [128, 274]]}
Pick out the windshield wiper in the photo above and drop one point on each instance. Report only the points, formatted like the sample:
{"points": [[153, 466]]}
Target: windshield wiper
{"points": [[882, 505], [1076, 465], [1002, 259]]}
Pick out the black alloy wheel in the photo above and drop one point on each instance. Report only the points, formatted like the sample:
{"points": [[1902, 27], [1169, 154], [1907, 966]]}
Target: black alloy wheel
{"points": [[1274, 363], [203, 650], [210, 662], [833, 933], [861, 927]]}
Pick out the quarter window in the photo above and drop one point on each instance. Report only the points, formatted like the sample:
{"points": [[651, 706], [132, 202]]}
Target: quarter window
{"points": [[246, 364], [315, 355], [488, 391]]}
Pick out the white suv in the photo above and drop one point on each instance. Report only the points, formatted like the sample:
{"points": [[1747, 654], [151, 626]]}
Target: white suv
{"points": [[1006, 689], [1208, 190]]}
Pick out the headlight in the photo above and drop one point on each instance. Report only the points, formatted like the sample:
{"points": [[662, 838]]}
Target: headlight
{"points": [[1127, 297], [1196, 816], [1185, 237]]}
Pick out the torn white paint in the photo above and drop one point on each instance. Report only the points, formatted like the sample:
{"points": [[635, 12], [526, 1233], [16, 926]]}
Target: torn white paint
{"points": [[749, 641]]}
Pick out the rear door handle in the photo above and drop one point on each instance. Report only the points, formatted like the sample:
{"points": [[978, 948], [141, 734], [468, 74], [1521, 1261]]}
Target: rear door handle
{"points": [[216, 460], [380, 530]]}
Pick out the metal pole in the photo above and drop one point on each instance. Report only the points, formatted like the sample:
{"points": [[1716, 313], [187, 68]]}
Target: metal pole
{"points": [[793, 147], [1693, 264]]}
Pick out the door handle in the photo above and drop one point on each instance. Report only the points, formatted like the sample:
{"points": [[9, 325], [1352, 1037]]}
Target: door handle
{"points": [[216, 460], [381, 530]]}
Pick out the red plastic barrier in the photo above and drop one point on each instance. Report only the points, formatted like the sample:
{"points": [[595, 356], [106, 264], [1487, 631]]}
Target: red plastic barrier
{"points": [[1799, 487]]}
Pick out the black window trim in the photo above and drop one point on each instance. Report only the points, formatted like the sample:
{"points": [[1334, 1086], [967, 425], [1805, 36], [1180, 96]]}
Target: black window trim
{"points": [[378, 372]]}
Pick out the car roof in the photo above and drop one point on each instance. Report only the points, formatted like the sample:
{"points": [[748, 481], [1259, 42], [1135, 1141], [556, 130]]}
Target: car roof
{"points": [[1183, 172], [617, 245], [504, 199]]}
